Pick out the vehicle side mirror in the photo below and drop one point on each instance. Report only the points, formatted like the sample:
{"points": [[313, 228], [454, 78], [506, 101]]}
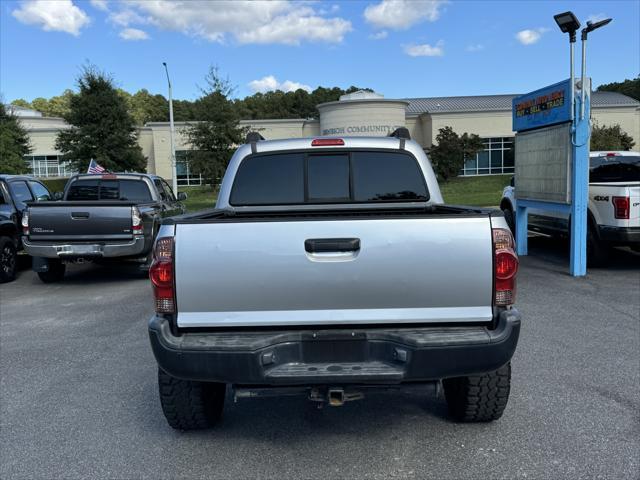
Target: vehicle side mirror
{"points": [[57, 195], [182, 196], [512, 182]]}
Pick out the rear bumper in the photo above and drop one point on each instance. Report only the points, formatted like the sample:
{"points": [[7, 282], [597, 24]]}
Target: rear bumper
{"points": [[346, 356], [88, 250], [620, 235]]}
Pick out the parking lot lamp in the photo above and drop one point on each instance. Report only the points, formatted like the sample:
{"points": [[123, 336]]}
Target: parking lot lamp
{"points": [[174, 175], [568, 23], [585, 32]]}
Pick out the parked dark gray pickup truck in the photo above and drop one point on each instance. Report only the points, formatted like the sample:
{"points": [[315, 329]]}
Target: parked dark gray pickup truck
{"points": [[15, 192], [101, 217]]}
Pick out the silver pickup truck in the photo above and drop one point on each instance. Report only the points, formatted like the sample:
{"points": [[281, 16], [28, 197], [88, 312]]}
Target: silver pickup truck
{"points": [[331, 267]]}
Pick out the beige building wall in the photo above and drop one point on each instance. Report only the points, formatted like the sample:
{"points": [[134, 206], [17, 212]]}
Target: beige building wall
{"points": [[484, 124]]}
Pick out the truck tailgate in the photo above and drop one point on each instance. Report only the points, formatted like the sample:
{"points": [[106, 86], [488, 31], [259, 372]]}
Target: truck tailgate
{"points": [[80, 221], [322, 272]]}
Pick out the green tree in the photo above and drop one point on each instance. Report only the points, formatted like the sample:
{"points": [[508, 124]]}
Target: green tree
{"points": [[57, 106], [217, 132], [452, 150], [631, 88], [149, 108], [101, 127], [21, 102], [14, 144], [610, 138]]}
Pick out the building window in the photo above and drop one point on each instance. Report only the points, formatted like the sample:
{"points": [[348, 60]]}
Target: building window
{"points": [[185, 176], [49, 166], [496, 158]]}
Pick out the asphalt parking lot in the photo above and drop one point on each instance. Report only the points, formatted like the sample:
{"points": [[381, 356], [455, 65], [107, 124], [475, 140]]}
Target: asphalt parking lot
{"points": [[78, 393]]}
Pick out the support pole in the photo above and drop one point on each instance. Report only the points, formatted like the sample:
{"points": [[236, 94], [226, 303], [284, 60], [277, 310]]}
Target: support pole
{"points": [[580, 186]]}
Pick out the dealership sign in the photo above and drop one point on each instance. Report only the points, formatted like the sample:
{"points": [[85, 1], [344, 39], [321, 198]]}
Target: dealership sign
{"points": [[547, 106]]}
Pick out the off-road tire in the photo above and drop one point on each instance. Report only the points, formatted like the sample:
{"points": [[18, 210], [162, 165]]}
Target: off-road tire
{"points": [[8, 259], [478, 398], [55, 272], [189, 405], [510, 218], [597, 251]]}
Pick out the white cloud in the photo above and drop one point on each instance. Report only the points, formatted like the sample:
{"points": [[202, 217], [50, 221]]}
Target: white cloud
{"points": [[425, 50], [126, 17], [278, 21], [133, 34], [475, 47], [379, 35], [403, 14], [59, 16], [596, 17], [270, 83], [100, 5], [529, 37]]}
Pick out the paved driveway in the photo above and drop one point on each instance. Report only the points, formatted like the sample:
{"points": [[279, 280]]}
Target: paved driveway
{"points": [[78, 394]]}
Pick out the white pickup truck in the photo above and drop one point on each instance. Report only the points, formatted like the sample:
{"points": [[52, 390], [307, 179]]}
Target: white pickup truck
{"points": [[331, 267], [614, 206]]}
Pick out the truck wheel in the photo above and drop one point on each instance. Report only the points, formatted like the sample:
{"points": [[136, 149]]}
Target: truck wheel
{"points": [[478, 398], [597, 251], [8, 259], [510, 219], [189, 405], [55, 272]]}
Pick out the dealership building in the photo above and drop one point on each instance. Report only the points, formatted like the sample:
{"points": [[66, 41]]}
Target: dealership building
{"points": [[357, 114]]}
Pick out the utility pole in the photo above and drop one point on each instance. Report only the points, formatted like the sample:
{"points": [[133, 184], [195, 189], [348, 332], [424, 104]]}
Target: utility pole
{"points": [[174, 175]]}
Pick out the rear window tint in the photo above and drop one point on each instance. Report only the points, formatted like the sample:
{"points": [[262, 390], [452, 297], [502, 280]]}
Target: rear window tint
{"points": [[328, 177], [387, 176], [615, 169], [269, 180], [134, 191], [94, 189], [83, 190]]}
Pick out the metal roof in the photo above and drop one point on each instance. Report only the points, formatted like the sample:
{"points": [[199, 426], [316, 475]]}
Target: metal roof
{"points": [[484, 103]]}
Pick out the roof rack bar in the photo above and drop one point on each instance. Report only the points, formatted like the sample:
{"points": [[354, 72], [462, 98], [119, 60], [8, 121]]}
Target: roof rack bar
{"points": [[253, 137], [401, 132]]}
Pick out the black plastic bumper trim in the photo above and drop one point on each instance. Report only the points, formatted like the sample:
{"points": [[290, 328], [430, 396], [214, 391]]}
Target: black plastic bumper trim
{"points": [[345, 356]]}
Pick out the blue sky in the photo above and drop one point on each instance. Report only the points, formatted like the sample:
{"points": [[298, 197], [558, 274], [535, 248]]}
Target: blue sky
{"points": [[398, 48]]}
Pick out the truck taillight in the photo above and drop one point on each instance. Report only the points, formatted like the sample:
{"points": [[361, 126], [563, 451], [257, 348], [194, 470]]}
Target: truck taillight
{"points": [[25, 222], [136, 221], [505, 264], [621, 207], [161, 274]]}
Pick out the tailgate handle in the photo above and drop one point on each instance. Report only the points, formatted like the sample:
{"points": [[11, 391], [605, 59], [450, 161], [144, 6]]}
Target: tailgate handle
{"points": [[79, 215], [323, 245]]}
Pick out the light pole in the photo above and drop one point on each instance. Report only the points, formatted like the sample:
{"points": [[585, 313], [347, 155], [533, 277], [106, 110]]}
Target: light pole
{"points": [[585, 32], [172, 135], [568, 23]]}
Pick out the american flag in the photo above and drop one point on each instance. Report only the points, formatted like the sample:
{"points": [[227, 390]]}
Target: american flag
{"points": [[94, 167]]}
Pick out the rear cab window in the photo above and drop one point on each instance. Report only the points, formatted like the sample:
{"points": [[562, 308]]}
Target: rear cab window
{"points": [[614, 168], [330, 177], [91, 189]]}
